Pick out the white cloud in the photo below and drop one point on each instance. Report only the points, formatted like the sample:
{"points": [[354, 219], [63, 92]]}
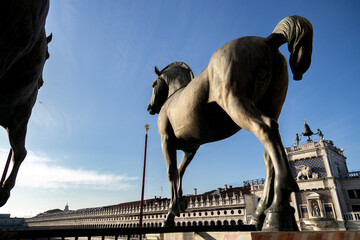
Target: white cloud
{"points": [[39, 171]]}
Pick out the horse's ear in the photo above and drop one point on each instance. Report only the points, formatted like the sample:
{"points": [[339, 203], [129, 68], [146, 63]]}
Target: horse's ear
{"points": [[49, 38], [157, 71]]}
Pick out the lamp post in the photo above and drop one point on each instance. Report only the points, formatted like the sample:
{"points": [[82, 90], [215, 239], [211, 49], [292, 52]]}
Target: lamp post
{"points": [[143, 179]]}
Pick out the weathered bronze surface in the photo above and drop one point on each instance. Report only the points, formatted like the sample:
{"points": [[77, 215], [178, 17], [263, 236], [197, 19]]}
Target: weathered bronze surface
{"points": [[243, 87], [23, 52]]}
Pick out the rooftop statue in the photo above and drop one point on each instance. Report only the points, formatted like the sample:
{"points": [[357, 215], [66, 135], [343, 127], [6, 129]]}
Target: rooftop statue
{"points": [[23, 52], [243, 87]]}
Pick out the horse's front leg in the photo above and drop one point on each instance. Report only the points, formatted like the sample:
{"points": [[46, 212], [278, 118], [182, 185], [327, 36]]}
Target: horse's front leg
{"points": [[17, 142], [187, 157], [169, 153]]}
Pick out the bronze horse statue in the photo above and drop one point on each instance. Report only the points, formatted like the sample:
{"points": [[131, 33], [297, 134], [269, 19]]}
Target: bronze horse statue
{"points": [[243, 87], [23, 52]]}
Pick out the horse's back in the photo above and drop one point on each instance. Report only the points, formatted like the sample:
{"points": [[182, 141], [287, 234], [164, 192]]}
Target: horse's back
{"points": [[244, 66]]}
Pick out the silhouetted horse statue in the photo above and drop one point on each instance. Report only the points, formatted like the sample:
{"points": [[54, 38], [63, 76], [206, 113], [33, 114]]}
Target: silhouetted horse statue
{"points": [[23, 52], [244, 86]]}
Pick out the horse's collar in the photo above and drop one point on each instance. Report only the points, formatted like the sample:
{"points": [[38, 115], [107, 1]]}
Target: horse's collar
{"points": [[175, 92]]}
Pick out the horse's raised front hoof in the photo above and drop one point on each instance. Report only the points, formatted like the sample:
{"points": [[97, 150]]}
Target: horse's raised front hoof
{"points": [[169, 221], [4, 196], [282, 220], [183, 204], [257, 219]]}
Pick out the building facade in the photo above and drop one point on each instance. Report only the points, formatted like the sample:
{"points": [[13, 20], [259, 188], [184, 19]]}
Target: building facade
{"points": [[224, 206], [8, 223], [329, 196]]}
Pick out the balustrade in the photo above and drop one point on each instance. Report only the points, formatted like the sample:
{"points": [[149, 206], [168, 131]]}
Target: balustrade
{"points": [[352, 216]]}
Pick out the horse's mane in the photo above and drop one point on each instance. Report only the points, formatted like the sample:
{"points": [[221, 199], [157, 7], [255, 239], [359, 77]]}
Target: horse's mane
{"points": [[179, 65]]}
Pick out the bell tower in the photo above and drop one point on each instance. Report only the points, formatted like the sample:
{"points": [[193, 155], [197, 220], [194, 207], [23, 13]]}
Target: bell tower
{"points": [[320, 169]]}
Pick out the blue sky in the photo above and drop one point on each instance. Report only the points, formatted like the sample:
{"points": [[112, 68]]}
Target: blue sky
{"points": [[86, 134]]}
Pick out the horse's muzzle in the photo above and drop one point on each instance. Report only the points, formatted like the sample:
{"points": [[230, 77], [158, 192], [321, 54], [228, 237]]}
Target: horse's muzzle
{"points": [[151, 109]]}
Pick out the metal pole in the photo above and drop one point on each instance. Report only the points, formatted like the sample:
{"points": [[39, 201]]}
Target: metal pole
{"points": [[143, 179]]}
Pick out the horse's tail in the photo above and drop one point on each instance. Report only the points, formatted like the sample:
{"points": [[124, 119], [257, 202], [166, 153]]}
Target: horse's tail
{"points": [[298, 33]]}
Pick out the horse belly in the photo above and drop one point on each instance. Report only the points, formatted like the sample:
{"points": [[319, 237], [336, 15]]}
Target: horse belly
{"points": [[208, 124]]}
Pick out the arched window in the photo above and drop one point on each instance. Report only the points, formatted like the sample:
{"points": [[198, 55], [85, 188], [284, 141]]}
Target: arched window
{"points": [[218, 223], [194, 223], [206, 223], [212, 223], [226, 223], [232, 223]]}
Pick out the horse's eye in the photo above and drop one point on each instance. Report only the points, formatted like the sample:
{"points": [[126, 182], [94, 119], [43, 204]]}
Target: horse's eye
{"points": [[154, 84]]}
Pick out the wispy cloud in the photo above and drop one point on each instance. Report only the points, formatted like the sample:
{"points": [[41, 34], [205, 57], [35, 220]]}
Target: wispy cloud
{"points": [[52, 119], [39, 171]]}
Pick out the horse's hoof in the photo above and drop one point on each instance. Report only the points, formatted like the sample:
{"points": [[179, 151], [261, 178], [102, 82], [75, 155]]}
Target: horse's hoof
{"points": [[169, 221], [4, 196], [183, 204], [283, 220], [257, 219]]}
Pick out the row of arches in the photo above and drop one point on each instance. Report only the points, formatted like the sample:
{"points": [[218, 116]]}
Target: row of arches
{"points": [[212, 213], [210, 223], [159, 224]]}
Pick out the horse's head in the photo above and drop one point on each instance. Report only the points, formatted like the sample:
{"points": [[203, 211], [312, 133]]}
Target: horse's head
{"points": [[173, 77], [159, 95]]}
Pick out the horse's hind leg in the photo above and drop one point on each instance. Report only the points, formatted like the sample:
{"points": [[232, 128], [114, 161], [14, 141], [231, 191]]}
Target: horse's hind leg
{"points": [[258, 217], [244, 113], [17, 142]]}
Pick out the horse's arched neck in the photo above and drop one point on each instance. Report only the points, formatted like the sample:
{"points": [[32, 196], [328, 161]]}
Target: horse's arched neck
{"points": [[176, 85]]}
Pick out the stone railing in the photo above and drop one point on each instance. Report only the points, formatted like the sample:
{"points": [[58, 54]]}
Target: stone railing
{"points": [[306, 146], [351, 175], [312, 145], [352, 216]]}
